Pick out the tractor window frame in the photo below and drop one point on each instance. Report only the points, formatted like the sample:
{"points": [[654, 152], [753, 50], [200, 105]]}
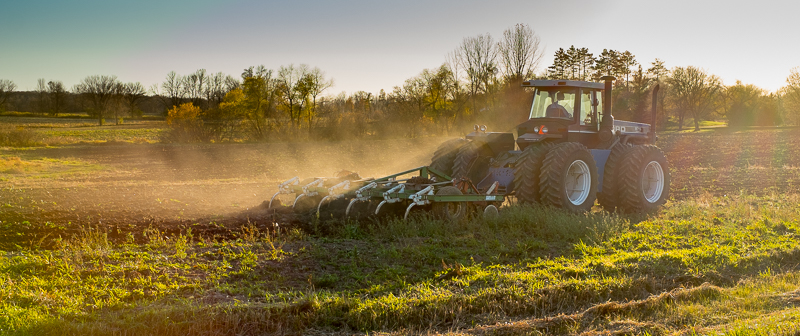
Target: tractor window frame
{"points": [[588, 110], [541, 102]]}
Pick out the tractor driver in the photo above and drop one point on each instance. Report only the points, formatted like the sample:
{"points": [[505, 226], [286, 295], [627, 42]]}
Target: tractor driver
{"points": [[555, 110]]}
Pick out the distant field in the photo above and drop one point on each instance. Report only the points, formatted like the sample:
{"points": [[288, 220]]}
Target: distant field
{"points": [[61, 131]]}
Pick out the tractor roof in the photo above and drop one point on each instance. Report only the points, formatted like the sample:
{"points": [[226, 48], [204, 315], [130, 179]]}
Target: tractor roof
{"points": [[564, 83]]}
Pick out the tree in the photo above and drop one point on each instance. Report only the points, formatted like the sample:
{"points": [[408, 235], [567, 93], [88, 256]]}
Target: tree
{"points": [[173, 88], [132, 93], [288, 79], [657, 70], [626, 62], [41, 96], [695, 92], [477, 57], [315, 83], [741, 103], [791, 96], [215, 90], [6, 88], [607, 64], [520, 52], [259, 99], [195, 86], [57, 96], [98, 92]]}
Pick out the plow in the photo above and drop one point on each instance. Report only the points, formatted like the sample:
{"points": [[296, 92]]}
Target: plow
{"points": [[570, 154], [423, 188]]}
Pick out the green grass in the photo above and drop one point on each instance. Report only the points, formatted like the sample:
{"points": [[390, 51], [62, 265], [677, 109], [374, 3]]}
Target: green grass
{"points": [[728, 265], [139, 135]]}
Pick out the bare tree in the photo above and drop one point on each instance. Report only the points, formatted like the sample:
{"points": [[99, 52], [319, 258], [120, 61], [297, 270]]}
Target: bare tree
{"points": [[477, 57], [41, 96], [520, 51], [695, 92], [173, 89], [215, 90], [6, 88], [98, 92], [131, 94], [58, 96], [194, 86], [231, 83]]}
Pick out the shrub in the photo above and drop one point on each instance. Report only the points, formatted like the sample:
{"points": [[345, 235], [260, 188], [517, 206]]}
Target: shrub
{"points": [[18, 137], [185, 124]]}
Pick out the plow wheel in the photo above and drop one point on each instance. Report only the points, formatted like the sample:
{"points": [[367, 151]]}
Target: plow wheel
{"points": [[445, 155], [451, 211], [568, 179], [610, 193], [644, 180], [526, 173]]}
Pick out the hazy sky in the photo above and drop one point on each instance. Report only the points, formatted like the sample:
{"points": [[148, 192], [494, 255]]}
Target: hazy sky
{"points": [[373, 45]]}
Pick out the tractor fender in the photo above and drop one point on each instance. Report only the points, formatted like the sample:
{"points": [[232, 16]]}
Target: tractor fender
{"points": [[600, 157]]}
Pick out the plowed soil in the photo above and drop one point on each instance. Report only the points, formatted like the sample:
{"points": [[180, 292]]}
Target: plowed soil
{"points": [[215, 189]]}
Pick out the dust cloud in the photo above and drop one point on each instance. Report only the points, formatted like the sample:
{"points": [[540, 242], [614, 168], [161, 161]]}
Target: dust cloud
{"points": [[145, 183]]}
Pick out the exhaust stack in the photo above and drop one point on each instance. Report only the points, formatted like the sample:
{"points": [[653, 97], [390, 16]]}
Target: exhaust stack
{"points": [[652, 134], [608, 118], [606, 133]]}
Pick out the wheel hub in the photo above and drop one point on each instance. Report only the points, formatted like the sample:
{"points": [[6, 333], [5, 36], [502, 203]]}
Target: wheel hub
{"points": [[578, 182], [653, 181]]}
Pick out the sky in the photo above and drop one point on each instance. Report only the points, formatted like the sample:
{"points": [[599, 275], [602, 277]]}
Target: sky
{"points": [[371, 45]]}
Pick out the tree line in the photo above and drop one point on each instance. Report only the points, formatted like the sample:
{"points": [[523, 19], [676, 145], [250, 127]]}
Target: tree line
{"points": [[479, 81], [686, 92]]}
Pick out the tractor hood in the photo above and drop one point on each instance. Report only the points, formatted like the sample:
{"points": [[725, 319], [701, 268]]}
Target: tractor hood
{"points": [[631, 128]]}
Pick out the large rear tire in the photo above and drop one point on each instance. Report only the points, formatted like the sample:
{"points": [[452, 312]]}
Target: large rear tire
{"points": [[526, 172], [568, 179], [644, 180], [609, 195], [445, 155], [466, 157], [451, 211]]}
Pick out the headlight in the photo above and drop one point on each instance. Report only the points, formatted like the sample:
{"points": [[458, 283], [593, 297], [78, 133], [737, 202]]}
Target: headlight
{"points": [[483, 128], [536, 129], [476, 128], [544, 129]]}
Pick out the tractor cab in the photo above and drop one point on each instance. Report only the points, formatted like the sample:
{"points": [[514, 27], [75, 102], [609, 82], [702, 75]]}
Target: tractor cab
{"points": [[563, 111]]}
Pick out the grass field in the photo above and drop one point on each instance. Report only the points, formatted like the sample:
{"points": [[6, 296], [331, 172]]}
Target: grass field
{"points": [[117, 237], [709, 265]]}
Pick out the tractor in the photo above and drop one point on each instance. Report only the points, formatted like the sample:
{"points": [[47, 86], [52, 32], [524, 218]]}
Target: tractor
{"points": [[570, 153]]}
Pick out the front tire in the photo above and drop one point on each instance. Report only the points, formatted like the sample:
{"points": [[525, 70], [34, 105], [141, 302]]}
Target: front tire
{"points": [[445, 155], [466, 157], [526, 172], [644, 180], [568, 179], [609, 196]]}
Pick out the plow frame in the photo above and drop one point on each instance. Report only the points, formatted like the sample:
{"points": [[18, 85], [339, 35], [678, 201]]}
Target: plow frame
{"points": [[390, 189]]}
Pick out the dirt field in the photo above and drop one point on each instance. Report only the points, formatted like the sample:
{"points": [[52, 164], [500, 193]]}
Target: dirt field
{"points": [[123, 188], [172, 239]]}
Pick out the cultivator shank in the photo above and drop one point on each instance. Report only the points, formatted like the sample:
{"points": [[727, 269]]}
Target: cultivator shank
{"points": [[419, 187]]}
